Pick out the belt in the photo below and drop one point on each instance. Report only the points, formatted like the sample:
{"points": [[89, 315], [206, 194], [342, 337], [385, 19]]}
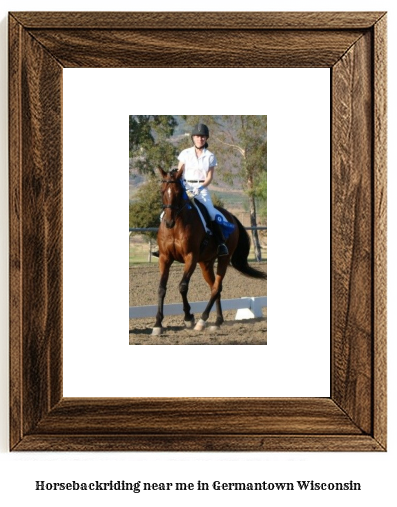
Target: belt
{"points": [[195, 181]]}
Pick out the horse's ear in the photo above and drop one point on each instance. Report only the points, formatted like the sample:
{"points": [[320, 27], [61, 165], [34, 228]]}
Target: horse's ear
{"points": [[179, 173], [161, 171]]}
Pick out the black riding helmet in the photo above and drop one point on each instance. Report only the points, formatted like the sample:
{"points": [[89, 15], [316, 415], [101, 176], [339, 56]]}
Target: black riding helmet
{"points": [[200, 130]]}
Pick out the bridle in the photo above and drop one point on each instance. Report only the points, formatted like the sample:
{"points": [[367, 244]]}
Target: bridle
{"points": [[172, 206]]}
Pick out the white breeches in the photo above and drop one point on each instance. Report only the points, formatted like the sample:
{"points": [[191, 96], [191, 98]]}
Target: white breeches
{"points": [[204, 197]]}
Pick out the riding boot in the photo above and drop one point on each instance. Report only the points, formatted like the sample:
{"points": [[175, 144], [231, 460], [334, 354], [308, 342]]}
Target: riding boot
{"points": [[218, 234], [156, 254]]}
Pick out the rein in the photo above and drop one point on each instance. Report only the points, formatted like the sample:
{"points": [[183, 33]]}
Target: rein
{"points": [[171, 206]]}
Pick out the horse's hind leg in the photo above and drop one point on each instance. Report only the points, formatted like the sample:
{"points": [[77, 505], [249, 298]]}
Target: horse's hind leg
{"points": [[219, 316], [209, 276], [215, 283], [190, 266]]}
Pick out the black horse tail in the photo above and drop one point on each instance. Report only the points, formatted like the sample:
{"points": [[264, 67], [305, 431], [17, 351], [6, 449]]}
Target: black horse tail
{"points": [[239, 258]]}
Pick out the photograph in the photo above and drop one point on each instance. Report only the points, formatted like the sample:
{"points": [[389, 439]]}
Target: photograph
{"points": [[198, 230]]}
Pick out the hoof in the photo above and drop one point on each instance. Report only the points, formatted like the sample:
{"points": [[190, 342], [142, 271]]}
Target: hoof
{"points": [[214, 329], [200, 325], [189, 323], [157, 331]]}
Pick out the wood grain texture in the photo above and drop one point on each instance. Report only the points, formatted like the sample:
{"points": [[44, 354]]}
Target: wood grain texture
{"points": [[36, 231], [380, 229], [206, 22], [353, 45], [196, 48], [231, 416], [352, 257], [15, 226], [199, 443]]}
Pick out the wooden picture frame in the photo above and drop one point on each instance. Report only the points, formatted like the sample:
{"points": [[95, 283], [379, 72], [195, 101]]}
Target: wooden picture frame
{"points": [[353, 46]]}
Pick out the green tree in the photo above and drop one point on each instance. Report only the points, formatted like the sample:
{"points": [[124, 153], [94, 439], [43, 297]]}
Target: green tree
{"points": [[146, 209], [261, 196], [149, 142], [240, 144], [149, 147]]}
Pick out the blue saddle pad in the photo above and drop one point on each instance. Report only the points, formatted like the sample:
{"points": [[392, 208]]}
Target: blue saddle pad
{"points": [[227, 227]]}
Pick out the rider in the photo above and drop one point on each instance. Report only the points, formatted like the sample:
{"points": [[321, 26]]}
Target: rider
{"points": [[199, 164]]}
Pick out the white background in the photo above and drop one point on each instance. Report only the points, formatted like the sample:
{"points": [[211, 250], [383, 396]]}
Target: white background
{"points": [[96, 106], [20, 471]]}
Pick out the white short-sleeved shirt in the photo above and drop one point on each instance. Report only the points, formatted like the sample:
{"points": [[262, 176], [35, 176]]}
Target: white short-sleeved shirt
{"points": [[196, 168]]}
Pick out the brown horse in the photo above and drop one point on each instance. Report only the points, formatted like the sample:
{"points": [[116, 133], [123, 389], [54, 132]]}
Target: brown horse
{"points": [[182, 238]]}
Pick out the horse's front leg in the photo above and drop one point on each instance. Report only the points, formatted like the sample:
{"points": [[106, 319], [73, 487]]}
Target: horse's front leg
{"points": [[190, 266], [165, 264]]}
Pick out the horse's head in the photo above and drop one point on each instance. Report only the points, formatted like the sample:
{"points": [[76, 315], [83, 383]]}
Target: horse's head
{"points": [[172, 194]]}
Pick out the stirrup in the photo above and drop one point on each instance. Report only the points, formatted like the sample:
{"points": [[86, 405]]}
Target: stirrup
{"points": [[222, 250]]}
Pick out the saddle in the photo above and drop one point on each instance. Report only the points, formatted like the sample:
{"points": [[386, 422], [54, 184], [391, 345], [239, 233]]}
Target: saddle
{"points": [[204, 213], [206, 219], [226, 227]]}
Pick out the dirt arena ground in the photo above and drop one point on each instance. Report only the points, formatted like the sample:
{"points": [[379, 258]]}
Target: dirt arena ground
{"points": [[144, 281]]}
